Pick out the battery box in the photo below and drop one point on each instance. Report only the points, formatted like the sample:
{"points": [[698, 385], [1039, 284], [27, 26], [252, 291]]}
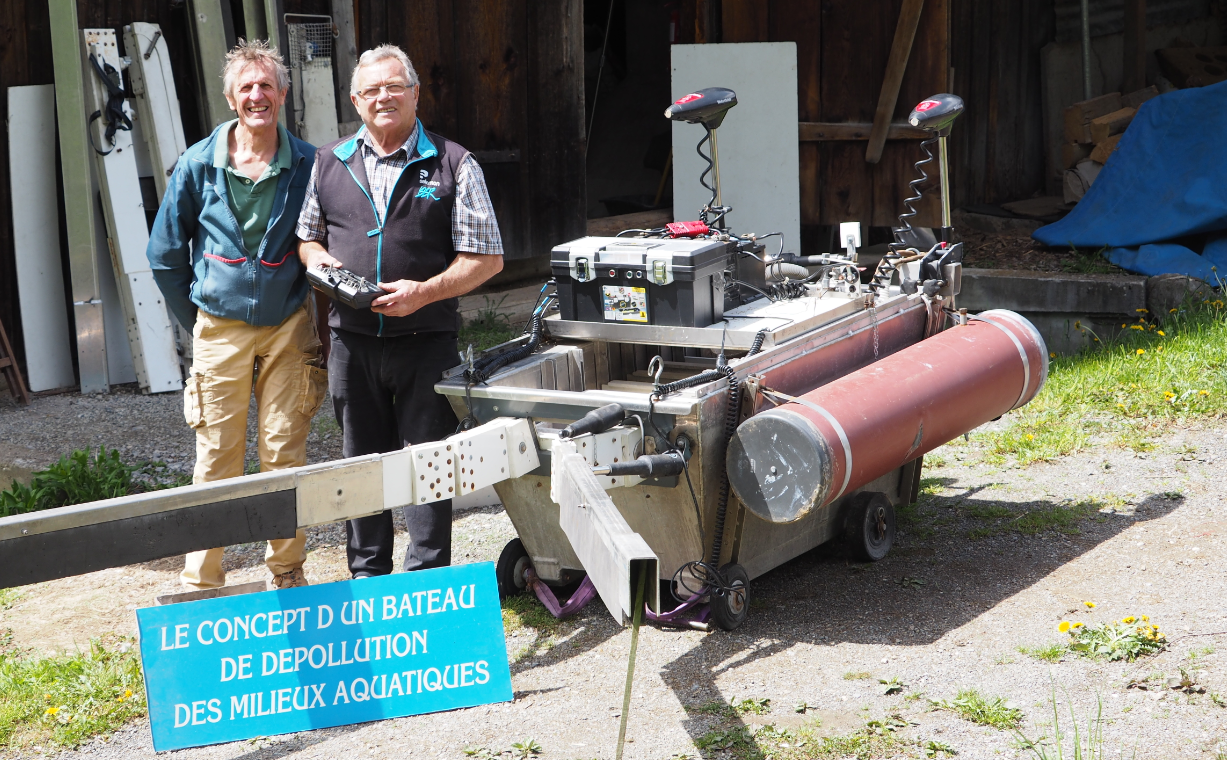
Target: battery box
{"points": [[645, 281]]}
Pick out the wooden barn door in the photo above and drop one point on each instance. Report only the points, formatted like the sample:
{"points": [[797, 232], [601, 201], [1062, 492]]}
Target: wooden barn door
{"points": [[504, 78], [842, 52]]}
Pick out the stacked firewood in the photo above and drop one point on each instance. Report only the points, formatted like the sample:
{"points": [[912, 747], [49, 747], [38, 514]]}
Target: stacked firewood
{"points": [[1092, 130]]}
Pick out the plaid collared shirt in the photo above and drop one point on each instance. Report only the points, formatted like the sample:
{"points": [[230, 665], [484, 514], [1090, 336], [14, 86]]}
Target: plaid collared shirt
{"points": [[474, 228]]}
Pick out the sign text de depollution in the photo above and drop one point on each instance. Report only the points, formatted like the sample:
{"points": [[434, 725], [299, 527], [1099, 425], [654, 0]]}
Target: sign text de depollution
{"points": [[340, 653]]}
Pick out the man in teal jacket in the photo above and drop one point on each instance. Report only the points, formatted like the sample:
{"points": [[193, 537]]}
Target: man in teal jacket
{"points": [[223, 253]]}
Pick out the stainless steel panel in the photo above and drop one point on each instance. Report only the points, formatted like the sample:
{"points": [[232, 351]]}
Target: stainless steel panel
{"points": [[78, 197]]}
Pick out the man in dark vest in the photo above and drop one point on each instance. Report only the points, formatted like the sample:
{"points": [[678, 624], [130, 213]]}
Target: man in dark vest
{"points": [[407, 209]]}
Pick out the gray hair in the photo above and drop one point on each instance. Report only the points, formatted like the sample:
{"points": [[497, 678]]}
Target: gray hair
{"points": [[245, 54], [383, 53]]}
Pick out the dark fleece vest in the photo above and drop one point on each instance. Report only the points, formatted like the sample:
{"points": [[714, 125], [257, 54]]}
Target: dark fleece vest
{"points": [[414, 241]]}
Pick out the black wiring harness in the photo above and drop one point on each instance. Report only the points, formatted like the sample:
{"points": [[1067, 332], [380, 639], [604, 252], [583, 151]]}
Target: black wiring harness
{"points": [[708, 573]]}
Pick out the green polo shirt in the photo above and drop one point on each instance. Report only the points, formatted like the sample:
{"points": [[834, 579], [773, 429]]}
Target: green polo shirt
{"points": [[252, 202]]}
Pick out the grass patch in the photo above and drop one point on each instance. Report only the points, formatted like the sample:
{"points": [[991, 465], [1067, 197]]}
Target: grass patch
{"points": [[1062, 518], [66, 700], [985, 711], [524, 611], [489, 328], [876, 740], [859, 675], [1153, 375], [1085, 261], [1047, 653]]}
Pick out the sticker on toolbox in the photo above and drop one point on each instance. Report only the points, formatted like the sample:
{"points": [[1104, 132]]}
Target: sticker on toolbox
{"points": [[625, 304]]}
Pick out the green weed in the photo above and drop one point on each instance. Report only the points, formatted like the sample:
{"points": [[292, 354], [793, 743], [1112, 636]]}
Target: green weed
{"points": [[525, 747], [489, 328], [1088, 262], [1047, 653], [75, 479], [857, 675], [985, 711], [1126, 639], [1086, 745], [65, 700]]}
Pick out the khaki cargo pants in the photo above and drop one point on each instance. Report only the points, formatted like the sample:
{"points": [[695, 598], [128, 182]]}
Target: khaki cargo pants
{"points": [[229, 357]]}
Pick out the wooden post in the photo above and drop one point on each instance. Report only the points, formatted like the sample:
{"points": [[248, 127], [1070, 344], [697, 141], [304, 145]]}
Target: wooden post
{"points": [[900, 50], [10, 370], [345, 54], [1135, 45], [253, 20], [707, 18], [554, 143]]}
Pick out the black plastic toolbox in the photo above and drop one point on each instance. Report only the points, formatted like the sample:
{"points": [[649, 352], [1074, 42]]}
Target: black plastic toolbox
{"points": [[646, 281]]}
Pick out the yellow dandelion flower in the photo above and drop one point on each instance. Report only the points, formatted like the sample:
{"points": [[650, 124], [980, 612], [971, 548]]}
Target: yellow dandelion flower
{"points": [[1123, 325], [1091, 605], [1159, 349], [1135, 327], [1168, 394], [1122, 406], [1141, 310], [51, 711], [1203, 393], [1030, 437], [1052, 356], [1163, 333], [1145, 618], [1171, 311], [1129, 620], [1141, 351], [1097, 340], [1064, 626], [127, 693], [1076, 626]]}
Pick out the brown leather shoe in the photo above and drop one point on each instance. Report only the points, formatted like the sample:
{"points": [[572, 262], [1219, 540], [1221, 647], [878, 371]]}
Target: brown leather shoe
{"points": [[295, 577]]}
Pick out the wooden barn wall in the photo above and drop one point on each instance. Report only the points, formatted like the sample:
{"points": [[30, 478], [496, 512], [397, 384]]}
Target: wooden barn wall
{"points": [[998, 145], [987, 51], [504, 78], [842, 49]]}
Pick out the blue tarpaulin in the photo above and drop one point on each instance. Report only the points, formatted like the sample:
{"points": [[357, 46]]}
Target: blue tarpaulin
{"points": [[1166, 180]]}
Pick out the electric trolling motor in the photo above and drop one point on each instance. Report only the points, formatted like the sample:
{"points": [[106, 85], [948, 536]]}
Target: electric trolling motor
{"points": [[935, 115], [707, 107]]}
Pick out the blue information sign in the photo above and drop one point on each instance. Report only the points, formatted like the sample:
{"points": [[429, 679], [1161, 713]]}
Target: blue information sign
{"points": [[238, 667]]}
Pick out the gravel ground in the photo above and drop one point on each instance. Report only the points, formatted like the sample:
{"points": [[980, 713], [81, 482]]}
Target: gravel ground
{"points": [[943, 612]]}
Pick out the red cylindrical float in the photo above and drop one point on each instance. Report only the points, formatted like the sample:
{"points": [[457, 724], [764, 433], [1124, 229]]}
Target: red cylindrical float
{"points": [[785, 462]]}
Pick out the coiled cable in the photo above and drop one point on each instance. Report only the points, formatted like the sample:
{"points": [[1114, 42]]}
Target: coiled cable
{"points": [[885, 270], [707, 571]]}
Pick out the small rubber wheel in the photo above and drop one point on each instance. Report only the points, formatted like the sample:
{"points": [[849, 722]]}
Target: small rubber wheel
{"points": [[871, 526], [510, 569], [729, 608]]}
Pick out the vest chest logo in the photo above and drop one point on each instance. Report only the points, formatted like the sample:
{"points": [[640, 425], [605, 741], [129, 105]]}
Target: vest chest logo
{"points": [[428, 188]]}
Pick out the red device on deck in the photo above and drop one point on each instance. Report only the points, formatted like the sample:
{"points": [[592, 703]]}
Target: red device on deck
{"points": [[686, 229]]}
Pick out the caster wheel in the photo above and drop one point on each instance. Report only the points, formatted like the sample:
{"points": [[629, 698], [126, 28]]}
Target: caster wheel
{"points": [[510, 569], [729, 608], [871, 526]]}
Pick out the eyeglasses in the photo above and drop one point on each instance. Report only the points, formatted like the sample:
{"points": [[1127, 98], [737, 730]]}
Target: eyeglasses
{"points": [[394, 90]]}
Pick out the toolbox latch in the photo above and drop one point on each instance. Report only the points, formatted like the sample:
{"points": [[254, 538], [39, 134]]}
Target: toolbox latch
{"points": [[581, 267], [660, 268]]}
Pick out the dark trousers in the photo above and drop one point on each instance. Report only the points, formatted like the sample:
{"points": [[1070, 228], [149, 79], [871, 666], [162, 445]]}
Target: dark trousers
{"points": [[383, 394]]}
